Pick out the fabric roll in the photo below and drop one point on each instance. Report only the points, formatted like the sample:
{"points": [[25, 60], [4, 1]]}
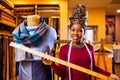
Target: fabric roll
{"points": [[1, 57]]}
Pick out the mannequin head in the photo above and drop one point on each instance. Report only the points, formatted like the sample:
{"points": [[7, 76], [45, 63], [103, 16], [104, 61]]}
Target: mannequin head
{"points": [[33, 20]]}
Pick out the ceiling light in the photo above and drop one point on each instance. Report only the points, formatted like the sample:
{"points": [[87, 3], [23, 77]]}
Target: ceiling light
{"points": [[118, 11]]}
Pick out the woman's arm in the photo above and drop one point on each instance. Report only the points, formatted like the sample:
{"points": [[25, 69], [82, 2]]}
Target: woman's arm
{"points": [[102, 71]]}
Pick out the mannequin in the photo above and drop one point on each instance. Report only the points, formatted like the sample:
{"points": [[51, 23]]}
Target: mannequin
{"points": [[35, 35], [33, 20]]}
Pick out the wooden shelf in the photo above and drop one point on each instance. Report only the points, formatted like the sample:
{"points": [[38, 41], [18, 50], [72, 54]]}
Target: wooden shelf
{"points": [[7, 13], [7, 19], [6, 34], [7, 4], [48, 10], [9, 24]]}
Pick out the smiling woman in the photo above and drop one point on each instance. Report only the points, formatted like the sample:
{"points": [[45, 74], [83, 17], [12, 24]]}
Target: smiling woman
{"points": [[77, 51]]}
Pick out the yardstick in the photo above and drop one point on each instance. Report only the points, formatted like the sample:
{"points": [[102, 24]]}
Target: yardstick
{"points": [[60, 61]]}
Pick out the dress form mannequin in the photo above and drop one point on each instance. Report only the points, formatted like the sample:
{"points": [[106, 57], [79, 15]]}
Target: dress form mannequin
{"points": [[31, 66], [33, 20]]}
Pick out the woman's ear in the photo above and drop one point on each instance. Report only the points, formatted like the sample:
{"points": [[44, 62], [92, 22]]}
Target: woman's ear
{"points": [[83, 35], [83, 32]]}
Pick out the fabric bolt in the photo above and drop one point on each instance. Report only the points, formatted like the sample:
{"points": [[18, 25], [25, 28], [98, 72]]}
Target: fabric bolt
{"points": [[1, 56], [79, 56]]}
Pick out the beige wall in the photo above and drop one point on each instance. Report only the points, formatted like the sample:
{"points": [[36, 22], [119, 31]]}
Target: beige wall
{"points": [[96, 17]]}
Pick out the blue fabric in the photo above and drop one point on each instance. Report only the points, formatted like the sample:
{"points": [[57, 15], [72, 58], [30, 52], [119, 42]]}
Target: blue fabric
{"points": [[46, 45], [22, 35]]}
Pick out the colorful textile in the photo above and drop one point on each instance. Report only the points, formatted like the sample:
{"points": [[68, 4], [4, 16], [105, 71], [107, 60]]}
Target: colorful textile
{"points": [[48, 41], [22, 35]]}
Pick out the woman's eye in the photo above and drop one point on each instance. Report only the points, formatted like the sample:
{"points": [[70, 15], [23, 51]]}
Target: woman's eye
{"points": [[76, 30], [79, 30], [72, 30]]}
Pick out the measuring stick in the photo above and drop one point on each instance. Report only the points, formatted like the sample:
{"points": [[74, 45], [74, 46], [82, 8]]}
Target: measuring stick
{"points": [[60, 61]]}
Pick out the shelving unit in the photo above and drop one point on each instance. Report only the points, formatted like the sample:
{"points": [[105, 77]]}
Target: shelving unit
{"points": [[6, 13], [50, 12], [7, 54]]}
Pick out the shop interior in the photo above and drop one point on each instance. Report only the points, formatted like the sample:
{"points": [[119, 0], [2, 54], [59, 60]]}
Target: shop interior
{"points": [[102, 29]]}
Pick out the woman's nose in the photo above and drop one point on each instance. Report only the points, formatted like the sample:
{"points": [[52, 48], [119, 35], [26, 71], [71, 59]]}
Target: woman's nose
{"points": [[75, 32]]}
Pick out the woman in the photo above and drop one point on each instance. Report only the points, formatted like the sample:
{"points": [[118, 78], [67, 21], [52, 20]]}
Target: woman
{"points": [[77, 51]]}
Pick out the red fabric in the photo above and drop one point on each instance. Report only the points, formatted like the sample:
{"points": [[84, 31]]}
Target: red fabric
{"points": [[79, 56]]}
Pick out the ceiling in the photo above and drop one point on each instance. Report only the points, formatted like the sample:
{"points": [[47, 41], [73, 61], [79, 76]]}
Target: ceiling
{"points": [[110, 5]]}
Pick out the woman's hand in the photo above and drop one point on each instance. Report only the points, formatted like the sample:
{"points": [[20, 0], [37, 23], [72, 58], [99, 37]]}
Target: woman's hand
{"points": [[114, 76], [46, 61]]}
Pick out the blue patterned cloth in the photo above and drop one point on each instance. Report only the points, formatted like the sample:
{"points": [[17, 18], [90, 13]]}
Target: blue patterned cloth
{"points": [[40, 38], [22, 36]]}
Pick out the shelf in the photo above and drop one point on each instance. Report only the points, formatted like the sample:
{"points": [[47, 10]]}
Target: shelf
{"points": [[8, 4], [42, 10], [24, 10], [7, 23], [7, 13], [7, 18]]}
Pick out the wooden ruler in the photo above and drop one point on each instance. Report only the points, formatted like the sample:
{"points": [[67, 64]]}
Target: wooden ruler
{"points": [[60, 61]]}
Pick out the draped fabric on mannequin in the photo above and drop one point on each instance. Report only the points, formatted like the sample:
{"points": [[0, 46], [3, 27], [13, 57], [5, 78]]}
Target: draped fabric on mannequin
{"points": [[32, 68]]}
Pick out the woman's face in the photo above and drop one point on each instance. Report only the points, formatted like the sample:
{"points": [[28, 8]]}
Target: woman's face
{"points": [[76, 33]]}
